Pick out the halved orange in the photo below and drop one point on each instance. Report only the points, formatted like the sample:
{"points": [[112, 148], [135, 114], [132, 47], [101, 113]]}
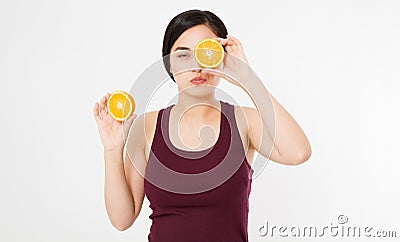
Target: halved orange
{"points": [[209, 53], [120, 105]]}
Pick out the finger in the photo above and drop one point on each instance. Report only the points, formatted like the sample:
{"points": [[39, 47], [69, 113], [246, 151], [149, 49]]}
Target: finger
{"points": [[103, 106], [218, 38], [129, 121], [96, 112], [225, 42], [102, 102], [235, 47], [222, 41], [234, 39]]}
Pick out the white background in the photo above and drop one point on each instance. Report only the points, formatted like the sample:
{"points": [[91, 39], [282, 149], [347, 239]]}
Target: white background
{"points": [[334, 65]]}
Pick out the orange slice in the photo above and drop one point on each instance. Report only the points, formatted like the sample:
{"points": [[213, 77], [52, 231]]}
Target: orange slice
{"points": [[120, 105], [209, 53]]}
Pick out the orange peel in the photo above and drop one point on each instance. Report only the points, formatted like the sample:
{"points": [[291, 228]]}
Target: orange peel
{"points": [[120, 105], [209, 53]]}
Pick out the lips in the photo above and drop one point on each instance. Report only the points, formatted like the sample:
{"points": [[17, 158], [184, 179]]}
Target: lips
{"points": [[198, 80]]}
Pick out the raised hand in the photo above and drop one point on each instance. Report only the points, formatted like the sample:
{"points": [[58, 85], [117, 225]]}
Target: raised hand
{"points": [[113, 133], [235, 68]]}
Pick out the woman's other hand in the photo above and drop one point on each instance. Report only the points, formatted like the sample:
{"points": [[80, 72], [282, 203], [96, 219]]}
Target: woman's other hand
{"points": [[113, 133]]}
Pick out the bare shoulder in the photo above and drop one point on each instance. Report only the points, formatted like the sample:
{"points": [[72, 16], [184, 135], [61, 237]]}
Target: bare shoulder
{"points": [[243, 116], [142, 130], [150, 123]]}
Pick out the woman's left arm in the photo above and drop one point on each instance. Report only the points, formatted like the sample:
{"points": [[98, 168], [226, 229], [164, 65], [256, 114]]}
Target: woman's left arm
{"points": [[290, 146]]}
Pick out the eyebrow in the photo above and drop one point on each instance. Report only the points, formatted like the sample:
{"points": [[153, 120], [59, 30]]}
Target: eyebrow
{"points": [[181, 48]]}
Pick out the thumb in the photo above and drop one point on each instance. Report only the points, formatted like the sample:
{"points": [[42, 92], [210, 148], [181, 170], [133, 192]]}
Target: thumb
{"points": [[129, 121], [126, 126]]}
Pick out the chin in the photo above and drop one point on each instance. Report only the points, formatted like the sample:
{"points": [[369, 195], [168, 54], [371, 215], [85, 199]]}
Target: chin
{"points": [[199, 90]]}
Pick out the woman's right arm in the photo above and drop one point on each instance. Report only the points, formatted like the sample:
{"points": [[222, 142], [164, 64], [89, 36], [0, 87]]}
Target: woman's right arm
{"points": [[123, 187]]}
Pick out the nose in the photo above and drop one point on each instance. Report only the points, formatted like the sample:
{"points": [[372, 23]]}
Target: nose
{"points": [[197, 70]]}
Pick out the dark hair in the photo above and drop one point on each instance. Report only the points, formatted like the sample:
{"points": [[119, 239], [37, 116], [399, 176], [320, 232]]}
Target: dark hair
{"points": [[185, 20]]}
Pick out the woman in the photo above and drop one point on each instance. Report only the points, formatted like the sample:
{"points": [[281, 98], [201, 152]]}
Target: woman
{"points": [[170, 136]]}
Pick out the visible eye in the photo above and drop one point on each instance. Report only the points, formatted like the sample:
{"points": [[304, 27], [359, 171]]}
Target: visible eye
{"points": [[183, 54]]}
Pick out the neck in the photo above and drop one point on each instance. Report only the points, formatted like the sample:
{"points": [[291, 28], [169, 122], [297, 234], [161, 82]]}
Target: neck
{"points": [[197, 107]]}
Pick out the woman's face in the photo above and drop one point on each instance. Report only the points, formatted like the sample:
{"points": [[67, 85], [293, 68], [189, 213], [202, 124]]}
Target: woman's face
{"points": [[183, 63]]}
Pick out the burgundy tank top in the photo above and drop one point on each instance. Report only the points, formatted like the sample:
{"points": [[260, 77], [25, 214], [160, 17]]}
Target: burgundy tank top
{"points": [[201, 195]]}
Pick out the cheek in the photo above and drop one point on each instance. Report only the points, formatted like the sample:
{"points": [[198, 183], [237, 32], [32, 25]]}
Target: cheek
{"points": [[184, 77], [214, 79], [182, 64]]}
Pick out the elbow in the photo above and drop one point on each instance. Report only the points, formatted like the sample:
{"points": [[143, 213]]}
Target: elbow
{"points": [[299, 159], [123, 221], [121, 226], [302, 157]]}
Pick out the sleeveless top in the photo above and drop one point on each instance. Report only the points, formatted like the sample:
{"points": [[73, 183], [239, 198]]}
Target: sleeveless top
{"points": [[198, 195]]}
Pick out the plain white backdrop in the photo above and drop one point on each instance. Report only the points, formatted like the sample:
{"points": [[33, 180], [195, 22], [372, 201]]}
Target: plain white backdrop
{"points": [[334, 65]]}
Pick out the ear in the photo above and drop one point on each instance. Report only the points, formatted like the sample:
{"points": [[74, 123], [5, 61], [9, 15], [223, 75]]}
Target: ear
{"points": [[170, 66]]}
